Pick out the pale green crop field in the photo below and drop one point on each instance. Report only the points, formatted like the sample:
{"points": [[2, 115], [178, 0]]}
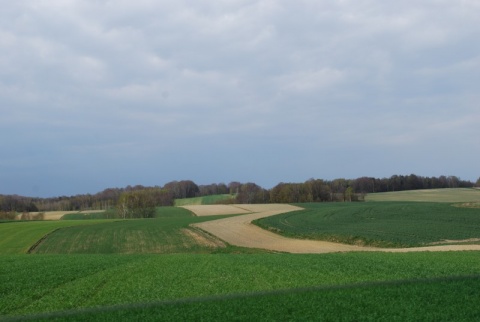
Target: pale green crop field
{"points": [[428, 195]]}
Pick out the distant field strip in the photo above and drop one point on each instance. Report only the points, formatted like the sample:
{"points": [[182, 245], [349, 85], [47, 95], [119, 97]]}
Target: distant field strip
{"points": [[429, 195], [239, 231]]}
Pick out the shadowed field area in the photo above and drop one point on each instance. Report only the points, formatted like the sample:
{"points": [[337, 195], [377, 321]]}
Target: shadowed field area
{"points": [[32, 284]]}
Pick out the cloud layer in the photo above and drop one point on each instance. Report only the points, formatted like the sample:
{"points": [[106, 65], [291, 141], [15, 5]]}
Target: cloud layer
{"points": [[95, 94]]}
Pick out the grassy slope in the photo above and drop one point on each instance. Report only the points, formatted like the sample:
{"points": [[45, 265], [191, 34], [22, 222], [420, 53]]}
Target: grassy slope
{"points": [[431, 195], [33, 284], [18, 236], [454, 300], [206, 200], [164, 234], [161, 235], [387, 224]]}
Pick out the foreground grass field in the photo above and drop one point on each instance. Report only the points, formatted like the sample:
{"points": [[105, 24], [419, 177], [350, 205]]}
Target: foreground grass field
{"points": [[346, 286], [371, 302], [382, 224], [104, 271]]}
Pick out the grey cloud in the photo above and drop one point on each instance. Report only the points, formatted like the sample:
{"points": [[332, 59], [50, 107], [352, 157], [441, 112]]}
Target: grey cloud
{"points": [[106, 77]]}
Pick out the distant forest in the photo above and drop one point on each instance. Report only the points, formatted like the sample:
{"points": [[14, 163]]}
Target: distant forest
{"points": [[313, 190]]}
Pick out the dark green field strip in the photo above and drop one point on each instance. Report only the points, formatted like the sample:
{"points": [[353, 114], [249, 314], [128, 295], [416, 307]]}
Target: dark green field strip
{"points": [[32, 284], [163, 234], [81, 216], [386, 224], [446, 299], [166, 212], [18, 236]]}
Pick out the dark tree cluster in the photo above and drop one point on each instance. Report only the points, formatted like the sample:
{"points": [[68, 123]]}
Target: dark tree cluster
{"points": [[139, 203], [213, 189], [17, 204], [313, 190], [410, 182]]}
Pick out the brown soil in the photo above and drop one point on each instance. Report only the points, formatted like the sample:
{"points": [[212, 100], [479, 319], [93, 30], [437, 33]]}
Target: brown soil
{"points": [[203, 239], [213, 210], [240, 231]]}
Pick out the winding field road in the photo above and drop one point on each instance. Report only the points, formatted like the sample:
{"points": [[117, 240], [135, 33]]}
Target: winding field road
{"points": [[240, 231]]}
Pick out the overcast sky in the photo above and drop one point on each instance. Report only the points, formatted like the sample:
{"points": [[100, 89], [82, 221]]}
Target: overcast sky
{"points": [[97, 94]]}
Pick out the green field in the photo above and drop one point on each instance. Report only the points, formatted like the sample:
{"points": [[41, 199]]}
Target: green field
{"points": [[412, 302], [16, 237], [111, 270], [206, 200], [428, 195], [360, 286], [168, 233], [135, 236], [383, 224]]}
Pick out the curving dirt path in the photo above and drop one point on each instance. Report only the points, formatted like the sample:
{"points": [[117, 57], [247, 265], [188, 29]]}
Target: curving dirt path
{"points": [[240, 231]]}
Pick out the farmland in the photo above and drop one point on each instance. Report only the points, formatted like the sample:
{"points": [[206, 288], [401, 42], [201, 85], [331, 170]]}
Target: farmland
{"points": [[382, 224], [428, 195], [52, 283], [164, 269], [18, 237]]}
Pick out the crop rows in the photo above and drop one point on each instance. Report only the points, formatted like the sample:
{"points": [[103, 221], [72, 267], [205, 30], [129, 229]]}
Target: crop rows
{"points": [[385, 224], [33, 284]]}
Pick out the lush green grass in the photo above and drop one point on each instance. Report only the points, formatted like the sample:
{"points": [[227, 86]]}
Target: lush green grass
{"points": [[387, 224], [168, 233], [33, 284], [169, 212], [429, 195], [206, 200], [16, 237], [426, 300], [226, 286], [164, 234]]}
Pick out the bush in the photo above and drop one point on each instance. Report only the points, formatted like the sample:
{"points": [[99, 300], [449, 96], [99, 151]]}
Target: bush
{"points": [[8, 215]]}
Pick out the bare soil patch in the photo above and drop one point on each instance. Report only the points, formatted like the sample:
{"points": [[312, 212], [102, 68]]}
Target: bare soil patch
{"points": [[213, 210], [240, 231], [459, 241], [203, 239]]}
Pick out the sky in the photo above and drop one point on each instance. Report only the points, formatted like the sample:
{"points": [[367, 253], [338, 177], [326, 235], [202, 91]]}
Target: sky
{"points": [[97, 93]]}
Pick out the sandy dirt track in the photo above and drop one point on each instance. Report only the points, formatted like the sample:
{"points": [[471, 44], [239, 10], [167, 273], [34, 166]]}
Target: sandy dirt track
{"points": [[240, 231]]}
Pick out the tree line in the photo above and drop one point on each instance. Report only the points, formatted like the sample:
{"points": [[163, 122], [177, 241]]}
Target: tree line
{"points": [[129, 200]]}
